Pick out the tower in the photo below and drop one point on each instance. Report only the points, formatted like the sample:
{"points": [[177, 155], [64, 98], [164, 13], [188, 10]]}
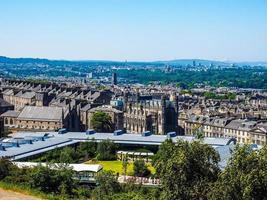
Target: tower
{"points": [[114, 78], [174, 100], [163, 117], [125, 98]]}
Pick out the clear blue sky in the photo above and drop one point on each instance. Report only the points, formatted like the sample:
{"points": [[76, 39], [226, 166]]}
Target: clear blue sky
{"points": [[134, 29]]}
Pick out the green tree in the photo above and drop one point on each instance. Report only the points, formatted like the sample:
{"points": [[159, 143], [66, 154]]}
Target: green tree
{"points": [[5, 167], [108, 185], [245, 176], [199, 135], [53, 179], [68, 155], [106, 150], [125, 165], [88, 149], [101, 122], [186, 169], [140, 168]]}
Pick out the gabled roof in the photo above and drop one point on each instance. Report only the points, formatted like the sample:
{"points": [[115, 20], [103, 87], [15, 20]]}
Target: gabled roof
{"points": [[41, 113], [26, 95], [10, 113]]}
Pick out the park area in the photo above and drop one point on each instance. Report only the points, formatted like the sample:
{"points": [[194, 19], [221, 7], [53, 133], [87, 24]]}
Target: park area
{"points": [[117, 166]]}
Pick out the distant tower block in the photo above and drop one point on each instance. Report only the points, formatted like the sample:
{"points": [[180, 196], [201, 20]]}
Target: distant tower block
{"points": [[114, 78]]}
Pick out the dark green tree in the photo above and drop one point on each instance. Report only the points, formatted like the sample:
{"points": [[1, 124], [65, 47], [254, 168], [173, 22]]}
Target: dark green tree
{"points": [[245, 176], [68, 155], [106, 150], [108, 185], [186, 169], [125, 165], [88, 149], [140, 168], [5, 167], [101, 122], [53, 179]]}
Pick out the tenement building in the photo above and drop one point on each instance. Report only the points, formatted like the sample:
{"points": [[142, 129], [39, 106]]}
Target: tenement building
{"points": [[147, 114], [244, 130]]}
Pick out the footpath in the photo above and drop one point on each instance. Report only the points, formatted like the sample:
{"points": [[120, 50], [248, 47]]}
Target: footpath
{"points": [[10, 195]]}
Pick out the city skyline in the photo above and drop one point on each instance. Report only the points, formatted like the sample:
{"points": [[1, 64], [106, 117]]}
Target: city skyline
{"points": [[127, 30]]}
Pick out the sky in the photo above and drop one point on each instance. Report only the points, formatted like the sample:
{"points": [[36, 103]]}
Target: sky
{"points": [[134, 30]]}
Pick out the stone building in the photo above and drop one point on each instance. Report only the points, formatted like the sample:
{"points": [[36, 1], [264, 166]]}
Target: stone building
{"points": [[19, 98], [258, 100], [245, 131], [10, 118], [35, 118], [146, 114]]}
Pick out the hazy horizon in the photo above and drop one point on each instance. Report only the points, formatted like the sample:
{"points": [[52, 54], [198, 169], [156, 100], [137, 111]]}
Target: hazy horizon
{"points": [[156, 60], [118, 30]]}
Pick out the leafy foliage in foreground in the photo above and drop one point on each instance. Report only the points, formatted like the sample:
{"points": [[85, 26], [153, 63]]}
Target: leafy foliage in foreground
{"points": [[186, 169], [245, 177]]}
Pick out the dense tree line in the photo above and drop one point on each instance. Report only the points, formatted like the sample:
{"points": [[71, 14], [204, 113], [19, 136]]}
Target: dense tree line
{"points": [[230, 77]]}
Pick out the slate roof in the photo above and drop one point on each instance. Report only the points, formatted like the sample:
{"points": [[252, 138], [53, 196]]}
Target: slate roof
{"points": [[86, 107], [10, 113], [235, 124], [26, 95], [41, 113]]}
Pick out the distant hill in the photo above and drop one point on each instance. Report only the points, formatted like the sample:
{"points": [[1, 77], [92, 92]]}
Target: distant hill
{"points": [[190, 62], [182, 62]]}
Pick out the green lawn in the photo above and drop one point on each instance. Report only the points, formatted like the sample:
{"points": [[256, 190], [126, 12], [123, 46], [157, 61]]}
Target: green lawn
{"points": [[116, 166]]}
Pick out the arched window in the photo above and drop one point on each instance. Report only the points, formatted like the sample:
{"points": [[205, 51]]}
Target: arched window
{"points": [[11, 121]]}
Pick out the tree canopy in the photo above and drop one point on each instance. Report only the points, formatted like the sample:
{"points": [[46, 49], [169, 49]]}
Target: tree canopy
{"points": [[245, 176], [101, 122], [186, 169], [140, 168], [106, 150]]}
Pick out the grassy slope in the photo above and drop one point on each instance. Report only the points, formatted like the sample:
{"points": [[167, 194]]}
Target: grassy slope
{"points": [[116, 166]]}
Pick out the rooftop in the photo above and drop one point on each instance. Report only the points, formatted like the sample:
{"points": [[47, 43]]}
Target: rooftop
{"points": [[75, 167], [41, 113], [10, 113]]}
